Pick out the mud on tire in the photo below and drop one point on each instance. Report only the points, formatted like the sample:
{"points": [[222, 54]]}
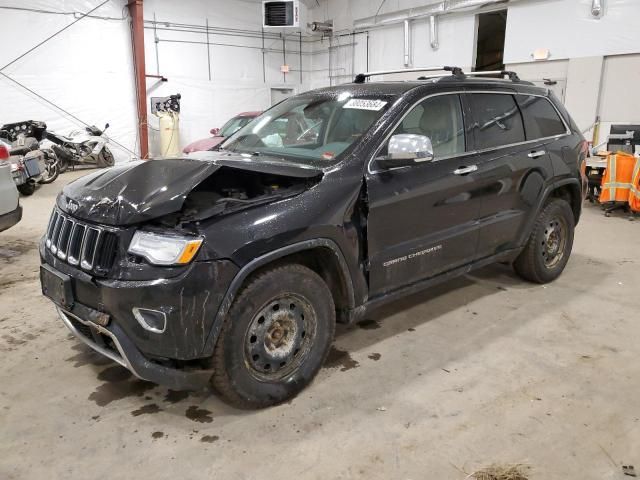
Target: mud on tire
{"points": [[549, 246], [275, 338]]}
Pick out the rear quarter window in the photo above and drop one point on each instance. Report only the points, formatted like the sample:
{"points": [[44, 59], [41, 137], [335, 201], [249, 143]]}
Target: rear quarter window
{"points": [[498, 120], [541, 119]]}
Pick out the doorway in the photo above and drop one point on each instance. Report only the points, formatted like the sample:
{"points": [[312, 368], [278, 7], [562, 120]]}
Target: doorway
{"points": [[490, 41]]}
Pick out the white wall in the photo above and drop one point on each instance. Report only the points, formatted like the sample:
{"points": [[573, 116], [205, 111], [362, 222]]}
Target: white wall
{"points": [[86, 70], [386, 44], [568, 30], [594, 62], [237, 83]]}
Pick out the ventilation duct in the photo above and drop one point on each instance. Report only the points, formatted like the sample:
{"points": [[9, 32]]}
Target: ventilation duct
{"points": [[435, 9], [433, 32], [407, 44], [597, 8]]}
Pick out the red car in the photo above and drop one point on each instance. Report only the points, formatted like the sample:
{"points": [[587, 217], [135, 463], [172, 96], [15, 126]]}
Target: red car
{"points": [[219, 134]]}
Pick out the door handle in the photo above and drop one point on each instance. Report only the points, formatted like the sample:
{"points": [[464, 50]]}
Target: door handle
{"points": [[537, 154], [465, 170]]}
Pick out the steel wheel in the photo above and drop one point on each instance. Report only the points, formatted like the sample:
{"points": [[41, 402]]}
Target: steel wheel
{"points": [[547, 251], [554, 241], [279, 337], [275, 338]]}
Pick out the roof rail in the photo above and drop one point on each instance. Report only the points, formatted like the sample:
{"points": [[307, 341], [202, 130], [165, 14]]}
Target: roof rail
{"points": [[456, 71], [362, 77], [513, 76]]}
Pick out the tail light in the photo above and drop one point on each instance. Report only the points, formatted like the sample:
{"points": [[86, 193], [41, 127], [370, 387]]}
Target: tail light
{"points": [[4, 153]]}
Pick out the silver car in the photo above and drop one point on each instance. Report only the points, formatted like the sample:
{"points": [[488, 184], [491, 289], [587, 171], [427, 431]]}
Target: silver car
{"points": [[10, 209]]}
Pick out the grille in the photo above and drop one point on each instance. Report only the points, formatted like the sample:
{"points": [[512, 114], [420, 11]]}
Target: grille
{"points": [[278, 14], [93, 335], [91, 248], [82, 328]]}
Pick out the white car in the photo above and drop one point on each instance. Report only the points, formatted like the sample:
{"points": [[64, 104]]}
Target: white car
{"points": [[10, 209]]}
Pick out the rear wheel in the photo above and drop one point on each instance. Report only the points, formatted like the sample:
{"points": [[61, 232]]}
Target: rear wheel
{"points": [[549, 246], [51, 170], [275, 339], [28, 188]]}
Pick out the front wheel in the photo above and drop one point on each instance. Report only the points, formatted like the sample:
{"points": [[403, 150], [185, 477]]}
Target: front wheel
{"points": [[275, 338], [549, 246], [65, 158], [105, 158]]}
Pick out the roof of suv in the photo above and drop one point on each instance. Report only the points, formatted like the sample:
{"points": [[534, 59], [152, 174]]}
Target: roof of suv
{"points": [[399, 87]]}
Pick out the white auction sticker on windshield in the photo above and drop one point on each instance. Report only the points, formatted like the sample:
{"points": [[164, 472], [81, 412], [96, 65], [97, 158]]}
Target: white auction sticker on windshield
{"points": [[363, 104]]}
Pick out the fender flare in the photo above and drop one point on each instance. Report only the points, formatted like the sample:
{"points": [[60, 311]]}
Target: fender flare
{"points": [[546, 193], [244, 273]]}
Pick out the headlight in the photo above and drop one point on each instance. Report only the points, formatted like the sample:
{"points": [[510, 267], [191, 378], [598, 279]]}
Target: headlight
{"points": [[164, 249]]}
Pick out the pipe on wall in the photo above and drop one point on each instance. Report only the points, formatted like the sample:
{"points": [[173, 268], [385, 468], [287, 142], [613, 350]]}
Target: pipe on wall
{"points": [[433, 32], [597, 8], [137, 39], [407, 43]]}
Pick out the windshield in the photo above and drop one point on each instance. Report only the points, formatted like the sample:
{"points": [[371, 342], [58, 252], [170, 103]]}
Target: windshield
{"points": [[308, 129], [233, 125]]}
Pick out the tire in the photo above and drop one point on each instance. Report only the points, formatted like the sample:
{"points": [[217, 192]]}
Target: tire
{"points": [[65, 158], [549, 246], [63, 165], [27, 189], [268, 350], [105, 158]]}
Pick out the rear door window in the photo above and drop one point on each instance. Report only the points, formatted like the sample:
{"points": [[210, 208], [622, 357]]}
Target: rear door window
{"points": [[498, 120], [541, 119]]}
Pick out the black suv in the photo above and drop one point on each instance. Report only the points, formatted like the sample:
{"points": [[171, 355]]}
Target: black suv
{"points": [[232, 267]]}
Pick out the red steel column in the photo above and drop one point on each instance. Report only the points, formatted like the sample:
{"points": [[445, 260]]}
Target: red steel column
{"points": [[137, 21]]}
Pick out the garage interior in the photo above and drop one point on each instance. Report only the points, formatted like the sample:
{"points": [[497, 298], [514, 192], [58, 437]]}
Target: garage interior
{"points": [[482, 376]]}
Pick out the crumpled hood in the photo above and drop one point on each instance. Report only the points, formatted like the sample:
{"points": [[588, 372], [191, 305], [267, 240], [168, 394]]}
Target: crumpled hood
{"points": [[143, 190]]}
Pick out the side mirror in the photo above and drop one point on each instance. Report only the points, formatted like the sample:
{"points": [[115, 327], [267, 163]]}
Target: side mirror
{"points": [[407, 149], [214, 131], [106, 125]]}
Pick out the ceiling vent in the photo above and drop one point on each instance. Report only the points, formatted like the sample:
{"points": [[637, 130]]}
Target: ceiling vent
{"points": [[280, 14]]}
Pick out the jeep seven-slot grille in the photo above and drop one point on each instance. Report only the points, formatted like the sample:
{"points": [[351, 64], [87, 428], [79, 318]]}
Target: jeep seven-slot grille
{"points": [[90, 247]]}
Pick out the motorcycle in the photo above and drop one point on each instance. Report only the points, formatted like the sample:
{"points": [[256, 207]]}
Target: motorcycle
{"points": [[30, 165], [82, 147]]}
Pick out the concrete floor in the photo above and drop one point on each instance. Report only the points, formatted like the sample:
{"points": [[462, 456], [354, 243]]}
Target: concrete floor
{"points": [[484, 369]]}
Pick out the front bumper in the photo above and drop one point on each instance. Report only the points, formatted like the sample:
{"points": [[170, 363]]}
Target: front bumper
{"points": [[101, 314], [113, 343]]}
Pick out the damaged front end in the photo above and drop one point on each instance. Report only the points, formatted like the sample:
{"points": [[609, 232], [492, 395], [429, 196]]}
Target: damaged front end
{"points": [[129, 262]]}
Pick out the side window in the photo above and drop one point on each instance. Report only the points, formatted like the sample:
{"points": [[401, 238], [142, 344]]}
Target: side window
{"points": [[540, 118], [440, 119], [498, 120]]}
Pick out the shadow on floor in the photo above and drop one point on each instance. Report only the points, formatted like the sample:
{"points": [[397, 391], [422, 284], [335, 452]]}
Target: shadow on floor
{"points": [[113, 382]]}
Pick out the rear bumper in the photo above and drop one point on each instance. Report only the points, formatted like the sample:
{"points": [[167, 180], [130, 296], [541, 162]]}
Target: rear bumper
{"points": [[10, 219], [112, 342]]}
